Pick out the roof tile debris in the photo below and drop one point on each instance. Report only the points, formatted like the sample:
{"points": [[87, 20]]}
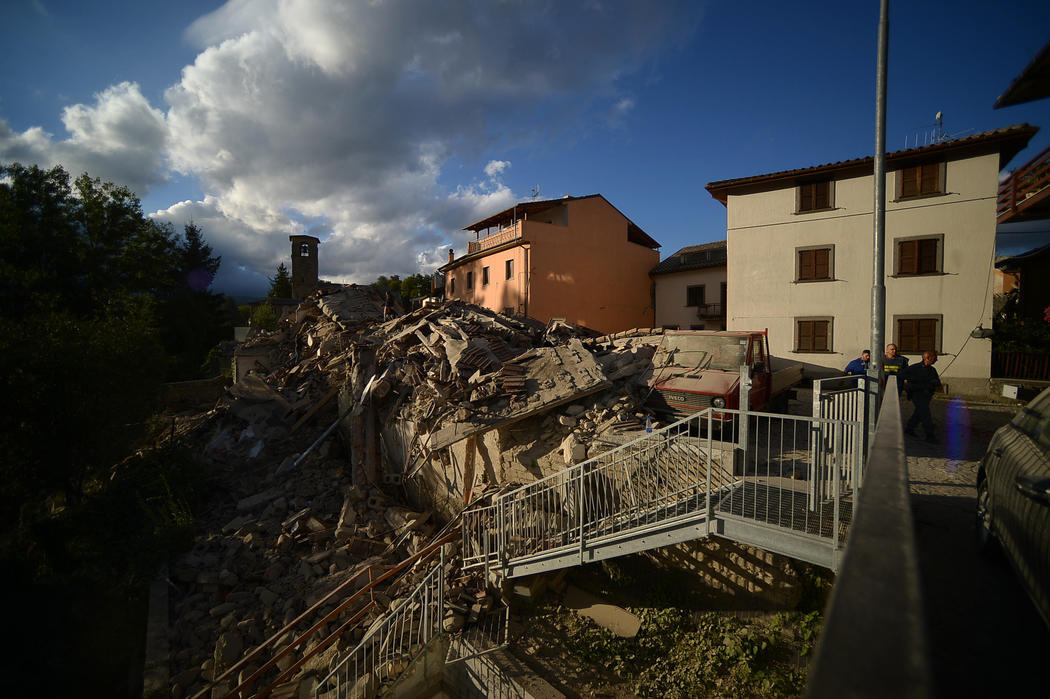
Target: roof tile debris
{"points": [[300, 522]]}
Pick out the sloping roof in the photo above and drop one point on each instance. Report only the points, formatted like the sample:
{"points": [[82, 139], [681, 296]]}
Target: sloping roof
{"points": [[1032, 84], [523, 209], [694, 257], [1009, 141], [1012, 261]]}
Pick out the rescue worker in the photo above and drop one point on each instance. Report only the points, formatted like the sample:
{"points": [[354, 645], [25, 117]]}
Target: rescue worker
{"points": [[894, 364], [859, 366]]}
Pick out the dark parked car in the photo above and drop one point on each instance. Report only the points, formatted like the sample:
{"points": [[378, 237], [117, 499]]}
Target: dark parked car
{"points": [[1013, 498]]}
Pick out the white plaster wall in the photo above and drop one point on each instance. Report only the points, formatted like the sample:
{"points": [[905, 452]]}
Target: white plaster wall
{"points": [[763, 234], [671, 296]]}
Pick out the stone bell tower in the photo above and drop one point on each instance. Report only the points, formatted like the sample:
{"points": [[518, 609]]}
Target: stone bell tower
{"points": [[304, 265]]}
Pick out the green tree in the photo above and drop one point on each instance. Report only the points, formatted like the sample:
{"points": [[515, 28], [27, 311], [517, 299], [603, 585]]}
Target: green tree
{"points": [[414, 286], [281, 284], [195, 319], [78, 329], [264, 317]]}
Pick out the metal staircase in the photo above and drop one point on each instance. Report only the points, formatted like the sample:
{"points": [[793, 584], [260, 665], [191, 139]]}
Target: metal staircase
{"points": [[782, 483]]}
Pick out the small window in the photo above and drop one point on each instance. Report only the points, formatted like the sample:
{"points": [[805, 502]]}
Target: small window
{"points": [[916, 334], [694, 295], [470, 280], [304, 250], [814, 265], [452, 285], [813, 335], [814, 196], [920, 181], [510, 268], [484, 276], [919, 256]]}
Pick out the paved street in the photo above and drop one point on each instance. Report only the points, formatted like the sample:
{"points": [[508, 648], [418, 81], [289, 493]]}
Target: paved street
{"points": [[986, 637]]}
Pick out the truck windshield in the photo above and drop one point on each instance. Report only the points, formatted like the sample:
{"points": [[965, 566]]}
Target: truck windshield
{"points": [[702, 352]]}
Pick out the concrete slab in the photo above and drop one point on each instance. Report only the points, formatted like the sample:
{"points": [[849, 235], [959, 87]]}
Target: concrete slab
{"points": [[610, 617]]}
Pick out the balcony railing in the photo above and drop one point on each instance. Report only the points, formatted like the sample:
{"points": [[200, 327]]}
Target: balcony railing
{"points": [[710, 310], [1026, 186], [490, 241]]}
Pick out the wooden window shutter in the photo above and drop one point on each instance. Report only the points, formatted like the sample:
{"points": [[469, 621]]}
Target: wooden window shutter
{"points": [[821, 195], [906, 335], [926, 333], [805, 335], [820, 335], [931, 175], [910, 182], [907, 257], [805, 264], [927, 254], [822, 264]]}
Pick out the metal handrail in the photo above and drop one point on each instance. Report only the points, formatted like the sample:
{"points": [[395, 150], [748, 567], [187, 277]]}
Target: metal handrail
{"points": [[388, 648], [676, 477], [244, 689]]}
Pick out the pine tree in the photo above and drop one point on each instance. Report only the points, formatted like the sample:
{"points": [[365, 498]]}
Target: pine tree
{"points": [[280, 284]]}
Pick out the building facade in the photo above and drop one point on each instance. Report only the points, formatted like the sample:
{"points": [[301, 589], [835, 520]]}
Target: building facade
{"points": [[690, 288], [800, 254], [576, 258]]}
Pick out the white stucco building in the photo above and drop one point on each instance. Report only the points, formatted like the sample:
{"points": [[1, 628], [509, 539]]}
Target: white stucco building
{"points": [[800, 254], [689, 288]]}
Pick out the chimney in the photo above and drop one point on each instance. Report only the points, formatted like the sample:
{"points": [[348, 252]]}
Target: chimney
{"points": [[451, 255]]}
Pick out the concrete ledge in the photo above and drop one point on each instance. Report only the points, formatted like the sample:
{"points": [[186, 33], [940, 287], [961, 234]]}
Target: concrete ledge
{"points": [[874, 640]]}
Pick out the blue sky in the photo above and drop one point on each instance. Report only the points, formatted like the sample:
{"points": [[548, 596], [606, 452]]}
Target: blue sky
{"points": [[385, 128]]}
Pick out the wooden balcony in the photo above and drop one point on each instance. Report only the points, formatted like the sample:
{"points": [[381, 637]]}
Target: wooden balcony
{"points": [[1025, 195], [490, 241]]}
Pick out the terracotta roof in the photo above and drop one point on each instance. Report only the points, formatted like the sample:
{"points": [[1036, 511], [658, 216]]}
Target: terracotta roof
{"points": [[1032, 84], [521, 210], [1009, 141], [693, 257]]}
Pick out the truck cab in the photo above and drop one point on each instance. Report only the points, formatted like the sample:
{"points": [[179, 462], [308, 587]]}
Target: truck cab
{"points": [[698, 369]]}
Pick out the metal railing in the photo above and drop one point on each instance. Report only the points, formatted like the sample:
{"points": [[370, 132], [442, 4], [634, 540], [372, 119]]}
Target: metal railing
{"points": [[841, 398], [690, 476], [390, 646]]}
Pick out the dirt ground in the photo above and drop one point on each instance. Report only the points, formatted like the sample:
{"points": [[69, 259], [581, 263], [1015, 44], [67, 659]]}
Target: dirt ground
{"points": [[986, 638]]}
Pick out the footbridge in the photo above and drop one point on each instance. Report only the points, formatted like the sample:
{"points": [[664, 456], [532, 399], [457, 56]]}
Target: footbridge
{"points": [[783, 483]]}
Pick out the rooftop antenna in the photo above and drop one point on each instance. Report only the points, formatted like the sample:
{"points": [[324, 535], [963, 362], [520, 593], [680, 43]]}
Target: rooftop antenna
{"points": [[535, 192]]}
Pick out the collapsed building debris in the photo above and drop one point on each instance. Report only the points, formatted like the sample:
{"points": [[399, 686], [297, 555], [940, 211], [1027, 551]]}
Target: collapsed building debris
{"points": [[433, 407]]}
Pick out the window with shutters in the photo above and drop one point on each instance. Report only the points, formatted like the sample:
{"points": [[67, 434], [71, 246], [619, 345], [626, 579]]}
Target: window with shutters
{"points": [[919, 256], [510, 268], [815, 264], [815, 196], [694, 295], [916, 334], [920, 180], [470, 280], [484, 276], [813, 334]]}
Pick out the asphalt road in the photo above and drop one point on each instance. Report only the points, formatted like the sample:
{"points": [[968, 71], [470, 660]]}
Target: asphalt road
{"points": [[986, 638]]}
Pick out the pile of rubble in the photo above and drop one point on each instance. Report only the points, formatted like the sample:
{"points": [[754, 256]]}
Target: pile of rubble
{"points": [[432, 407]]}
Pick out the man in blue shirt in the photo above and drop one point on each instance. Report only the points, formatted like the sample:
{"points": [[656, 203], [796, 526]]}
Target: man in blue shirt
{"points": [[859, 366]]}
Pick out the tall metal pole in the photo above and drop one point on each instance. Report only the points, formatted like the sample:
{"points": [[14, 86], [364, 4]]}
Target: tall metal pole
{"points": [[878, 284]]}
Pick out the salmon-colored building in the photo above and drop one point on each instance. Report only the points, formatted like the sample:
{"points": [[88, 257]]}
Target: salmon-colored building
{"points": [[576, 258]]}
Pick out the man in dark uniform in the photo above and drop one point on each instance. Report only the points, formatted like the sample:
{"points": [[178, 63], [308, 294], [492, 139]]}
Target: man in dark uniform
{"points": [[922, 380], [894, 364]]}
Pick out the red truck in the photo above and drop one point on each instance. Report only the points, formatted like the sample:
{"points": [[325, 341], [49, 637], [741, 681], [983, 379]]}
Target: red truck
{"points": [[698, 369]]}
